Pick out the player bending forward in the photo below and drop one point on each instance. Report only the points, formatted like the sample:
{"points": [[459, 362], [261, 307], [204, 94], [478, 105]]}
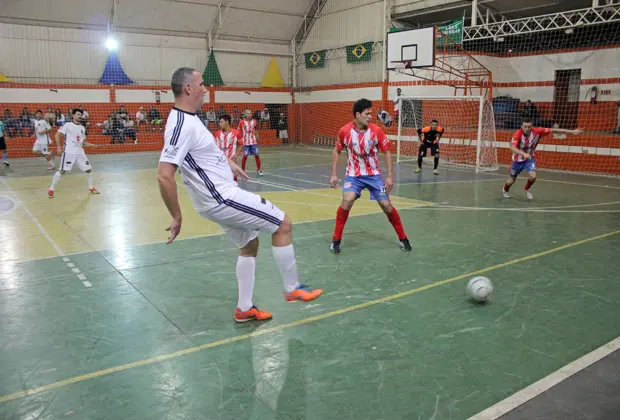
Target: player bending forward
{"points": [[42, 143], [247, 126], [227, 140], [429, 139], [363, 141], [208, 176], [523, 148], [75, 140]]}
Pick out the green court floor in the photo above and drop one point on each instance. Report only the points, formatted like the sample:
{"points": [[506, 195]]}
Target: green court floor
{"points": [[101, 320]]}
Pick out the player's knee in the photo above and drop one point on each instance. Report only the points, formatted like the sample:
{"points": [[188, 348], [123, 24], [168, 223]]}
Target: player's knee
{"points": [[532, 177], [386, 206], [286, 227], [347, 204], [250, 249]]}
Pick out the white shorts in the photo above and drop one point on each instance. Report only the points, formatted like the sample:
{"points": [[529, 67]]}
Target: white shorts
{"points": [[284, 134], [42, 148], [244, 216], [68, 159]]}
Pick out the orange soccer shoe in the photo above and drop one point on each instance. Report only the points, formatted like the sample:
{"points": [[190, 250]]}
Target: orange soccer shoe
{"points": [[303, 293], [253, 314]]}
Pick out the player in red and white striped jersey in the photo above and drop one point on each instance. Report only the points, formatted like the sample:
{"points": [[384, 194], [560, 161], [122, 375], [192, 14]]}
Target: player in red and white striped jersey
{"points": [[247, 126], [227, 139], [363, 141], [523, 148]]}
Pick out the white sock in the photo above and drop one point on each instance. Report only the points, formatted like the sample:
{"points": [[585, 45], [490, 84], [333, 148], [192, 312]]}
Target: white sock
{"points": [[285, 258], [55, 180], [246, 268], [51, 163], [89, 177]]}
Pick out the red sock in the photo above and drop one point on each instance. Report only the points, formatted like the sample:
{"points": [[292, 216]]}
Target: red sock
{"points": [[257, 162], [243, 161], [394, 219], [235, 178], [529, 184], [341, 219], [506, 187]]}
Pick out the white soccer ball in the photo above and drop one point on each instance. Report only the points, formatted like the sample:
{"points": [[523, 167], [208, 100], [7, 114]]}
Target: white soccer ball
{"points": [[479, 288]]}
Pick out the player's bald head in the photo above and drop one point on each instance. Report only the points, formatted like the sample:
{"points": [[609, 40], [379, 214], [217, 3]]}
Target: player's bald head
{"points": [[180, 78]]}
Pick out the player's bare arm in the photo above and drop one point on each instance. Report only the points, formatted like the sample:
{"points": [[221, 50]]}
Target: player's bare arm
{"points": [[87, 144], [57, 137], [236, 170], [168, 191], [519, 152], [333, 181], [564, 131]]}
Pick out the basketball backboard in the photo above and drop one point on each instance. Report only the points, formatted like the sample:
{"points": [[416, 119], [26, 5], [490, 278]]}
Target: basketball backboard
{"points": [[414, 45]]}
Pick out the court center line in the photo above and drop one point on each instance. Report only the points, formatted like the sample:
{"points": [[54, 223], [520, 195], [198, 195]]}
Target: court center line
{"points": [[521, 397], [305, 321], [47, 236]]}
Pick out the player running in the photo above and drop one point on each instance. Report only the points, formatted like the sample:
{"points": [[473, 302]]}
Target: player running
{"points": [[247, 126], [208, 177], [363, 141], [227, 140], [75, 140], [42, 143], [523, 148], [429, 139]]}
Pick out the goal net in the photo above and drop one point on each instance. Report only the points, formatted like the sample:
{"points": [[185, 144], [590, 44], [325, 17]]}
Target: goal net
{"points": [[468, 137]]}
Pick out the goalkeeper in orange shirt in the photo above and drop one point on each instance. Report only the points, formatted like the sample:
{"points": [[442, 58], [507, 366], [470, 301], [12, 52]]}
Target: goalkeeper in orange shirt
{"points": [[429, 139]]}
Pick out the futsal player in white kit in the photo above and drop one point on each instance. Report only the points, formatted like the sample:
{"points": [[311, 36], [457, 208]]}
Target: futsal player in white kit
{"points": [[208, 177], [75, 140], [42, 144]]}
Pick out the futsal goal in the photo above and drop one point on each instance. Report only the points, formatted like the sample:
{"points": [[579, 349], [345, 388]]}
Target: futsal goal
{"points": [[468, 125], [428, 65]]}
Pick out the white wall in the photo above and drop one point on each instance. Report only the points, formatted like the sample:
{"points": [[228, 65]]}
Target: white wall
{"points": [[35, 54], [342, 23]]}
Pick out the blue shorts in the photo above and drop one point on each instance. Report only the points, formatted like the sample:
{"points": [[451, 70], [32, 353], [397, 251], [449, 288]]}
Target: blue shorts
{"points": [[375, 185], [250, 150], [517, 167]]}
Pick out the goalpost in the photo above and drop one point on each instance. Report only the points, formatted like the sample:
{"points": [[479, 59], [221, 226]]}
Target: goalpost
{"points": [[469, 129], [435, 63]]}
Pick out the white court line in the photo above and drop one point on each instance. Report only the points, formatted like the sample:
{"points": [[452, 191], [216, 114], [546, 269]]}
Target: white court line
{"points": [[323, 184], [450, 182], [579, 183], [547, 382], [47, 236], [544, 209]]}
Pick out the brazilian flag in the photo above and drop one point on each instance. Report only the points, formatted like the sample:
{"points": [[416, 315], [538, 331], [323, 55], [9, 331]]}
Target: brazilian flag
{"points": [[315, 60], [359, 52]]}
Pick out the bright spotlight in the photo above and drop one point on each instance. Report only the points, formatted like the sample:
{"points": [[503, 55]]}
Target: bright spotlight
{"points": [[111, 44]]}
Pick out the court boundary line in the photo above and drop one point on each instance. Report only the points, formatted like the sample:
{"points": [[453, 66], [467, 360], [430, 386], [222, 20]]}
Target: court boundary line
{"points": [[532, 391], [44, 232], [304, 321]]}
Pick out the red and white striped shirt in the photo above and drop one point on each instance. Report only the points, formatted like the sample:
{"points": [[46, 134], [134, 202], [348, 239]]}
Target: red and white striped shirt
{"points": [[362, 149], [248, 128], [227, 142], [528, 144]]}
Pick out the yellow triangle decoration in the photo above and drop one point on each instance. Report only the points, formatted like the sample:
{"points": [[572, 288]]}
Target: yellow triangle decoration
{"points": [[273, 78], [4, 79]]}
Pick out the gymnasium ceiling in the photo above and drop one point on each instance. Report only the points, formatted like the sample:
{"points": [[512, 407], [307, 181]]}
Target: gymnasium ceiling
{"points": [[440, 11], [272, 21]]}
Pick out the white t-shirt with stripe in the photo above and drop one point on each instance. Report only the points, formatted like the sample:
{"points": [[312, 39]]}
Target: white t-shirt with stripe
{"points": [[204, 167]]}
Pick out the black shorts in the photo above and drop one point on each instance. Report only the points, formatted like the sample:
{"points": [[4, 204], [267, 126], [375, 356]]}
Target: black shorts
{"points": [[433, 146], [2, 144]]}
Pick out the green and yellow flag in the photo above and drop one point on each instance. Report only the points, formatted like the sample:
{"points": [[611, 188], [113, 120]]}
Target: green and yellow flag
{"points": [[359, 52], [316, 59]]}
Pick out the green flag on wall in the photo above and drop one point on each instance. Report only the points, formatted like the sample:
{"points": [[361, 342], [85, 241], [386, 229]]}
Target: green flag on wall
{"points": [[453, 29], [359, 52], [211, 74], [315, 60]]}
